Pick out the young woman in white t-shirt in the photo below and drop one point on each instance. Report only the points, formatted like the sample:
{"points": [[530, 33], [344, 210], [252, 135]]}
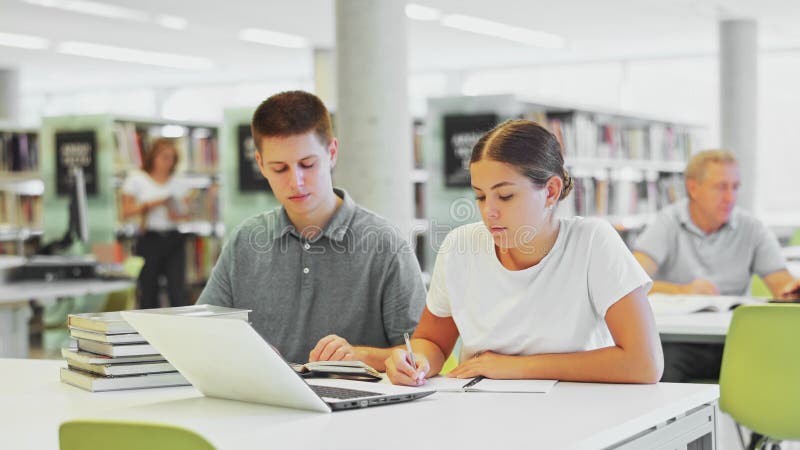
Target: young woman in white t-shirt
{"points": [[532, 295], [156, 197]]}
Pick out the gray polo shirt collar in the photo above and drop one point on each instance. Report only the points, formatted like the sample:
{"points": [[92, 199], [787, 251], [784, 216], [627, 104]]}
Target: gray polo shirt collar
{"points": [[686, 219], [335, 230]]}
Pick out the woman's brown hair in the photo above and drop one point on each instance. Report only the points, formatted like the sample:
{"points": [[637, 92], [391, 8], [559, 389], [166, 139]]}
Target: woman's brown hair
{"points": [[158, 146], [527, 146]]}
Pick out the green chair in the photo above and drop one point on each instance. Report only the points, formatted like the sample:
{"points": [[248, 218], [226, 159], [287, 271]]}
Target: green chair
{"points": [[795, 239], [101, 435], [450, 363], [125, 299], [758, 288], [760, 375]]}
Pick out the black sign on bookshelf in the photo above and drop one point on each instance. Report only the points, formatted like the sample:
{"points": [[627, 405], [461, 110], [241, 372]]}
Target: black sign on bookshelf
{"points": [[250, 177], [461, 132], [76, 148]]}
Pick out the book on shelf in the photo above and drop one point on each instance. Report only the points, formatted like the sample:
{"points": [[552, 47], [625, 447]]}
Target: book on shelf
{"points": [[130, 152], [447, 384], [352, 370], [73, 354], [667, 304], [116, 370], [18, 151], [122, 338], [113, 323], [97, 383]]}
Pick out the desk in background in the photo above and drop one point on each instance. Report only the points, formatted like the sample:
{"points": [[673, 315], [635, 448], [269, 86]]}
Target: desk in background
{"points": [[698, 327], [573, 416], [15, 309]]}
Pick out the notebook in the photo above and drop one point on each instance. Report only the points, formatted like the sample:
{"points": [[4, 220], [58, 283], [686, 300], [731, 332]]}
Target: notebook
{"points": [[445, 384], [228, 359]]}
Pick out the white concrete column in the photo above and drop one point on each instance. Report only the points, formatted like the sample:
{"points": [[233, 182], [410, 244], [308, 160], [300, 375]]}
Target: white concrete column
{"points": [[372, 118], [738, 96], [9, 95], [325, 76], [455, 83]]}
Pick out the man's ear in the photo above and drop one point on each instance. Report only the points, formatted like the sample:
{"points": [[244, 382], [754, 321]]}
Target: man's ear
{"points": [[260, 163], [333, 151], [691, 187]]}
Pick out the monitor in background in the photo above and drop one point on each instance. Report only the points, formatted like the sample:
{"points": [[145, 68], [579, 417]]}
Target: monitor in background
{"points": [[78, 224], [78, 215]]}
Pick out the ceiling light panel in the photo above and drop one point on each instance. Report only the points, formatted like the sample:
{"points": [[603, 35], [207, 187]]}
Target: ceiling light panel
{"points": [[503, 31], [419, 12], [93, 8], [274, 38], [132, 55], [23, 41]]}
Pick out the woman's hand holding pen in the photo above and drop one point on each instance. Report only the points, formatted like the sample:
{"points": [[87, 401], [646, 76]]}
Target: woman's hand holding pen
{"points": [[487, 364], [400, 371]]}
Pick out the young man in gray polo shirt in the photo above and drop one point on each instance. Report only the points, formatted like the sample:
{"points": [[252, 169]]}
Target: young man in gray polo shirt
{"points": [[705, 245], [325, 278]]}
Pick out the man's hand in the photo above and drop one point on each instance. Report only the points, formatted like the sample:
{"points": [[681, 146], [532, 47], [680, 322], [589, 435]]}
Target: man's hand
{"points": [[701, 286], [332, 348], [791, 291]]}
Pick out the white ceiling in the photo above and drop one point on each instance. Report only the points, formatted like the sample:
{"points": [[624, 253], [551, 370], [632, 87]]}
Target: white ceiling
{"points": [[594, 29]]}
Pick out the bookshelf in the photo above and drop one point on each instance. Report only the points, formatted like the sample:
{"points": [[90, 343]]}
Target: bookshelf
{"points": [[113, 146], [21, 190], [245, 191], [625, 167], [420, 228]]}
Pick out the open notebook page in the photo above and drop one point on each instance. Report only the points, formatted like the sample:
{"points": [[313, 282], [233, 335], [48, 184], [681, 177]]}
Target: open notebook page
{"points": [[445, 384]]}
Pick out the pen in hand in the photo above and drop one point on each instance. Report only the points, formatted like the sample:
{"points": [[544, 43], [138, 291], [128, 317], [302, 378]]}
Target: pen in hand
{"points": [[410, 353]]}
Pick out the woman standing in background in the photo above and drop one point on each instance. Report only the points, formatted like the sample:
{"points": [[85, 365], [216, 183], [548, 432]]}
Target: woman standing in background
{"points": [[157, 197]]}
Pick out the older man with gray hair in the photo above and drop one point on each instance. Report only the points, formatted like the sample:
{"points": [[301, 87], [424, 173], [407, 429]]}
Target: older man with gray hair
{"points": [[706, 245]]}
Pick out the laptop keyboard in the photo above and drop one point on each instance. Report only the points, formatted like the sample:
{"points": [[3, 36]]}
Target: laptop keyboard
{"points": [[341, 393]]}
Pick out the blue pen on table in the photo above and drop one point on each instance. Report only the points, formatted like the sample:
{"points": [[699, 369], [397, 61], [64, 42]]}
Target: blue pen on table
{"points": [[473, 381]]}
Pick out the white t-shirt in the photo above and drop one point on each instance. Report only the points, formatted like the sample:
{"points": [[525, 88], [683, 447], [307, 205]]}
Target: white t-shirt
{"points": [[557, 306], [143, 188]]}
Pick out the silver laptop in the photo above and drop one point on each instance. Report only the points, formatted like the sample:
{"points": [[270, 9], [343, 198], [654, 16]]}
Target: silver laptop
{"points": [[227, 358]]}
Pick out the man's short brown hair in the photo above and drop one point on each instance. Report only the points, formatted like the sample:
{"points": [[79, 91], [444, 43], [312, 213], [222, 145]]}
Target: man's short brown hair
{"points": [[291, 113]]}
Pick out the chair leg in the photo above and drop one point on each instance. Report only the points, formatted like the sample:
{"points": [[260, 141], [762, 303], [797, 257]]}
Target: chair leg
{"points": [[757, 442]]}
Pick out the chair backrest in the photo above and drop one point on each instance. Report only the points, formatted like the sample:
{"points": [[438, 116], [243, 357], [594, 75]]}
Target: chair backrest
{"points": [[101, 434], [760, 375]]}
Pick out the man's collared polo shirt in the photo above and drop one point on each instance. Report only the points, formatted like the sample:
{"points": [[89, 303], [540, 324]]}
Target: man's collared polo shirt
{"points": [[359, 279], [727, 257]]}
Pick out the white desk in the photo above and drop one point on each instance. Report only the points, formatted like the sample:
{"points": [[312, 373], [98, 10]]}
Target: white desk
{"points": [[15, 308], [700, 327], [573, 416], [42, 290]]}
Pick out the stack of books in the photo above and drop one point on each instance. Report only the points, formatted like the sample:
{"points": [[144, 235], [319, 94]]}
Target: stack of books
{"points": [[111, 355]]}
